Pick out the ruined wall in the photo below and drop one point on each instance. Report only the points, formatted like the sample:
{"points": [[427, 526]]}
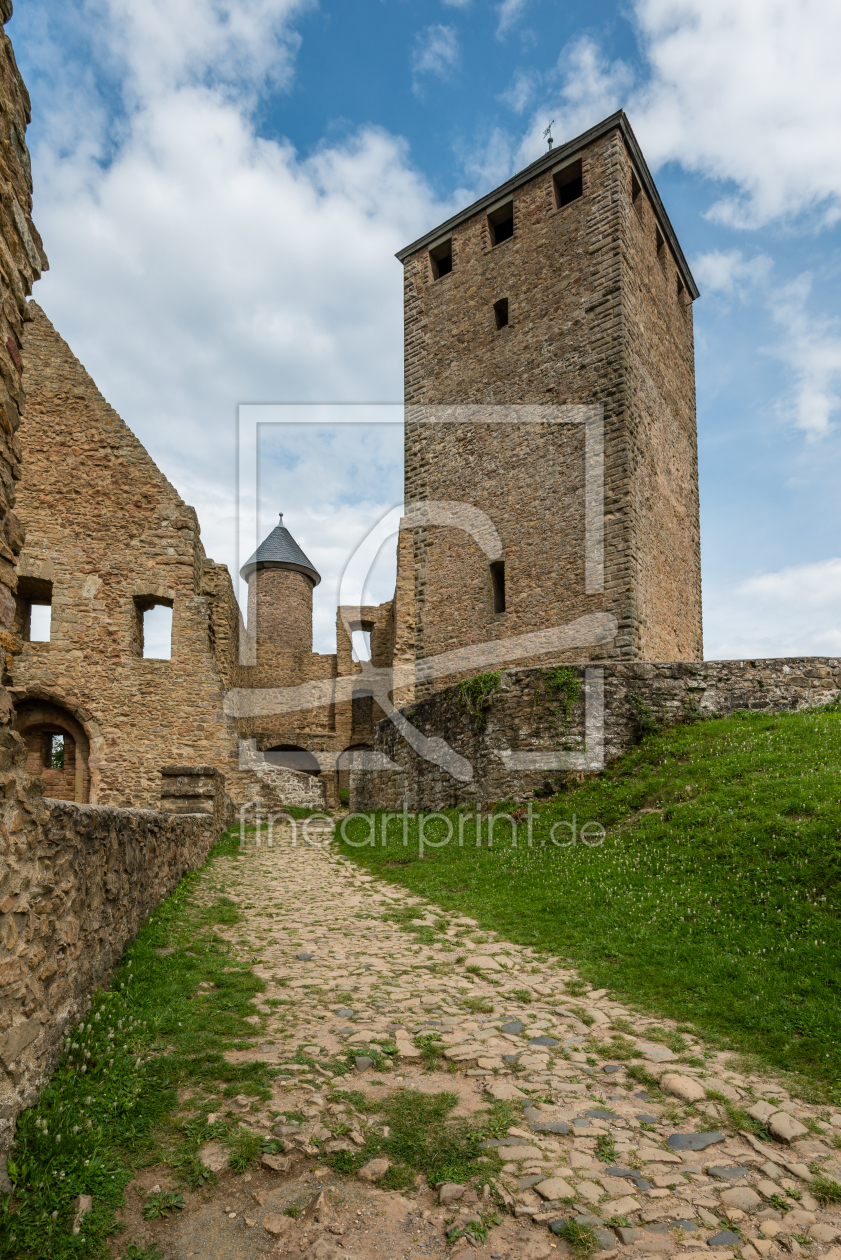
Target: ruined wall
{"points": [[22, 259], [523, 716], [583, 329], [108, 536], [78, 880]]}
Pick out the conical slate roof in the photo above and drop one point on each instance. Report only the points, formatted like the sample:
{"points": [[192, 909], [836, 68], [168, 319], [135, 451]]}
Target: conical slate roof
{"points": [[280, 551]]}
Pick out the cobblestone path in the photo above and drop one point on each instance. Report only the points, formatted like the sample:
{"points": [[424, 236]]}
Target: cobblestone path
{"points": [[652, 1174]]}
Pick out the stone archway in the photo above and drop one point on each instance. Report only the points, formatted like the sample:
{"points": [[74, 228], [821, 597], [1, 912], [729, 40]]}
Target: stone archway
{"points": [[58, 750], [346, 761], [292, 757]]}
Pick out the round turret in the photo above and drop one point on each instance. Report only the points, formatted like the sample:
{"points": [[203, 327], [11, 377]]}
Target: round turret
{"points": [[280, 584]]}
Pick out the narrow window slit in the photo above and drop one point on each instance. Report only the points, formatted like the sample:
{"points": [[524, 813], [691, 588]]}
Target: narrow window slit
{"points": [[498, 584], [501, 313]]}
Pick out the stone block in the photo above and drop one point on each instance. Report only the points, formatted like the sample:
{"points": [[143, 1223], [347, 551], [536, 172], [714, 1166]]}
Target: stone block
{"points": [[684, 1087]]}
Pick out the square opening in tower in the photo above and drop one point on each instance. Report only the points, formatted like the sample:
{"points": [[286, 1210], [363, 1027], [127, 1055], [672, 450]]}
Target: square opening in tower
{"points": [[501, 223], [441, 259], [569, 184]]}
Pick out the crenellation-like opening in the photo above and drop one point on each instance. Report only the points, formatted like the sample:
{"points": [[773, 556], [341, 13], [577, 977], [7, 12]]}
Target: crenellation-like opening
{"points": [[661, 248], [501, 223], [441, 259], [501, 313], [569, 184], [636, 195]]}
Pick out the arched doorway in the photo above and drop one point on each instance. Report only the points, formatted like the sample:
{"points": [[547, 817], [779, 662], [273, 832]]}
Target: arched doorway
{"points": [[347, 761], [292, 757], [57, 749]]}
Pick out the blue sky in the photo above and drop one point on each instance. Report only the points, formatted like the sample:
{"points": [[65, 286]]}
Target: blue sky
{"points": [[221, 188]]}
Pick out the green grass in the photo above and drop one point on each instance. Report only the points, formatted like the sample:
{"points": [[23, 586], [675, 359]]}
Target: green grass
{"points": [[111, 1105], [425, 1139], [580, 1239], [713, 899]]}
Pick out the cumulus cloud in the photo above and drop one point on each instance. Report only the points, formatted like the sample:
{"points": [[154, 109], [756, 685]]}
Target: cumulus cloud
{"points": [[436, 52], [795, 611], [197, 264], [728, 272], [740, 92], [746, 93], [811, 348]]}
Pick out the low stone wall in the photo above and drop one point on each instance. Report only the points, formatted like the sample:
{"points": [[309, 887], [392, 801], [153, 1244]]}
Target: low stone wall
{"points": [[525, 720], [77, 882]]}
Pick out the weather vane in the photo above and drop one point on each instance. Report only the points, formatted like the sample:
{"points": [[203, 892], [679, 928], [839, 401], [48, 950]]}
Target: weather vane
{"points": [[547, 135]]}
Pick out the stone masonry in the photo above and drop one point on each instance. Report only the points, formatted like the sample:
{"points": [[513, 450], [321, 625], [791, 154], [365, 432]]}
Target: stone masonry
{"points": [[77, 882], [577, 256], [524, 715], [108, 537]]}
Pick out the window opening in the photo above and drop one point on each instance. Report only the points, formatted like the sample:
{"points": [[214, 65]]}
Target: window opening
{"points": [[501, 313], [501, 223], [498, 583], [636, 195], [361, 645], [40, 623], [56, 752], [661, 249], [153, 629], [569, 184], [441, 259], [33, 615]]}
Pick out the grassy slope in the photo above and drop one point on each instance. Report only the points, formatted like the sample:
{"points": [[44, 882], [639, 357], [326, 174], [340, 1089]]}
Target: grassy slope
{"points": [[719, 908]]}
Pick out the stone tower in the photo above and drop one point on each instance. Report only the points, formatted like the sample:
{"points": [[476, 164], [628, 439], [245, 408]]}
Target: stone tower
{"points": [[280, 585], [565, 286]]}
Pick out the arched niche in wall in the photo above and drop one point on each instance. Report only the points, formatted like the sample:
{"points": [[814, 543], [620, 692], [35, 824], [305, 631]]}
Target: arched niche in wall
{"points": [[57, 748]]}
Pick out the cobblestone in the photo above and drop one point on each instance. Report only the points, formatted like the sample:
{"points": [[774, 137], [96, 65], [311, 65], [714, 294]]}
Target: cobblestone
{"points": [[368, 978]]}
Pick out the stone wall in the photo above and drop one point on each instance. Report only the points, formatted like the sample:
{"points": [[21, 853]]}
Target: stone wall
{"points": [[108, 536], [595, 320], [524, 716], [77, 882]]}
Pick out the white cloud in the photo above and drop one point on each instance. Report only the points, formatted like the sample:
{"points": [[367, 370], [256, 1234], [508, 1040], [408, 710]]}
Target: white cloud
{"points": [[196, 265], [510, 12], [583, 88], [795, 611], [729, 272], [458, 4], [744, 92], [811, 348], [436, 51], [799, 586], [747, 92], [522, 90]]}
